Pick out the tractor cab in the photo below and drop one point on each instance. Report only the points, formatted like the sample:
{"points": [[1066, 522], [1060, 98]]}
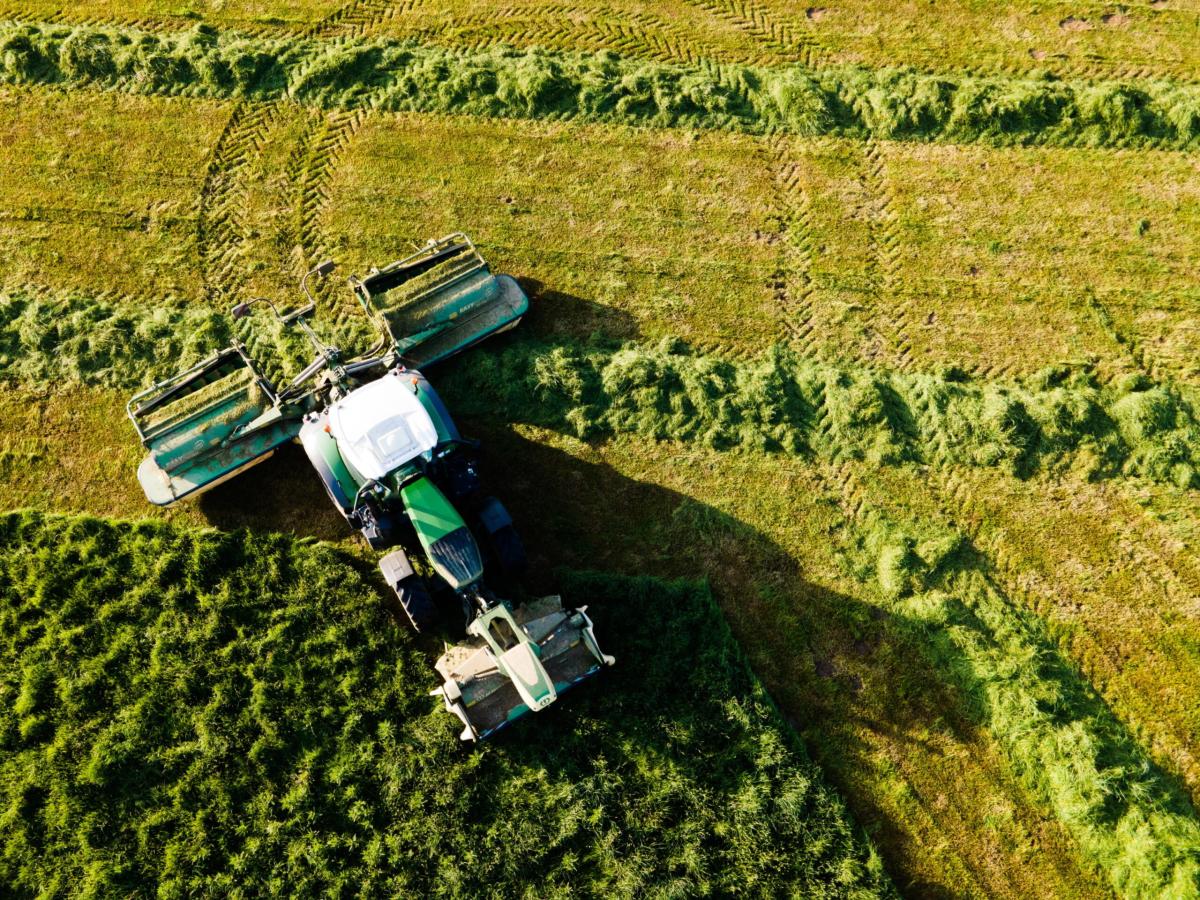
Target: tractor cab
{"points": [[382, 426]]}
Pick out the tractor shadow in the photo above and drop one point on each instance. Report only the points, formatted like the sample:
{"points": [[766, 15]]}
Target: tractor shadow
{"points": [[556, 314], [281, 494], [840, 668]]}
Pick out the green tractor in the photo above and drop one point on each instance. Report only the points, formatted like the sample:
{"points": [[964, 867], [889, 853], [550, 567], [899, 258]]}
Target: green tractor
{"points": [[394, 464]]}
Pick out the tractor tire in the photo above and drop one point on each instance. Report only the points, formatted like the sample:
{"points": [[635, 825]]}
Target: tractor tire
{"points": [[509, 551], [502, 538], [411, 590], [418, 605]]}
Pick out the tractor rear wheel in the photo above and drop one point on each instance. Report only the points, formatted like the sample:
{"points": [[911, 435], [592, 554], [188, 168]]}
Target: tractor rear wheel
{"points": [[502, 538]]}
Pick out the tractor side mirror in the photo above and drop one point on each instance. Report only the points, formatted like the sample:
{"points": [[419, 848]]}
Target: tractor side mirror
{"points": [[240, 311]]}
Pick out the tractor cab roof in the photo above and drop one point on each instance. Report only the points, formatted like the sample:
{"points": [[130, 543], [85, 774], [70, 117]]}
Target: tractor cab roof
{"points": [[381, 426]]}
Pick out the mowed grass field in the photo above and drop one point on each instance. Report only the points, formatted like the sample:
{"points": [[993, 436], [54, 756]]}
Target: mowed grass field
{"points": [[994, 663]]}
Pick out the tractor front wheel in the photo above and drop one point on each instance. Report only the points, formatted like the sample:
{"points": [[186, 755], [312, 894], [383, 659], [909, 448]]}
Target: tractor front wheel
{"points": [[418, 605], [509, 551], [411, 590]]}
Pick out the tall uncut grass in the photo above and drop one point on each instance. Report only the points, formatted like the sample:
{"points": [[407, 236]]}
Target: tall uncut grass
{"points": [[884, 103], [194, 713]]}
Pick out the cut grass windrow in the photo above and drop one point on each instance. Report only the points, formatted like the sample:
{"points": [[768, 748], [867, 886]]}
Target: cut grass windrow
{"points": [[782, 402], [1062, 740], [779, 402], [191, 712], [856, 102]]}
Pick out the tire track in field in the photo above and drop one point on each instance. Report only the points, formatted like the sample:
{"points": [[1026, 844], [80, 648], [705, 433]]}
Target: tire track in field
{"points": [[1129, 346], [897, 316], [221, 225], [60, 17], [632, 34], [314, 159], [781, 40], [360, 17], [892, 315], [222, 233], [792, 282]]}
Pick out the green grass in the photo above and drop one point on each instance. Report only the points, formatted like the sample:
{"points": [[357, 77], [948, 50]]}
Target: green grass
{"points": [[616, 230], [99, 190], [172, 726], [782, 402], [1114, 584], [957, 490], [1062, 38], [858, 102], [903, 743], [882, 606], [1128, 817], [949, 246]]}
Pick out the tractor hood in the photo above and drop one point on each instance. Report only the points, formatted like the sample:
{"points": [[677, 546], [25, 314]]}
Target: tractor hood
{"points": [[381, 426], [448, 542]]}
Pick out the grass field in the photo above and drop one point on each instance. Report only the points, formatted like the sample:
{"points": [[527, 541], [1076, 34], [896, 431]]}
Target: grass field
{"points": [[302, 752], [901, 365], [1065, 38]]}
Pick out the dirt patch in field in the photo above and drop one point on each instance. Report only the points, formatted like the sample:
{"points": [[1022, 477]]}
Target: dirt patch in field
{"points": [[1037, 54], [1073, 23], [1115, 20]]}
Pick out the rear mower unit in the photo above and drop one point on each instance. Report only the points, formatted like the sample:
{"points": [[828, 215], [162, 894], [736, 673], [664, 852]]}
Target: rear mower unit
{"points": [[394, 465]]}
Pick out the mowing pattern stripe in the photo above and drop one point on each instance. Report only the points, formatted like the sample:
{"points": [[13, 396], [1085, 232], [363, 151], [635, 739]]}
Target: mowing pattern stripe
{"points": [[780, 402], [775, 36]]}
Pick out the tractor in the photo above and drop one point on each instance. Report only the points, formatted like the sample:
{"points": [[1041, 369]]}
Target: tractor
{"points": [[395, 466]]}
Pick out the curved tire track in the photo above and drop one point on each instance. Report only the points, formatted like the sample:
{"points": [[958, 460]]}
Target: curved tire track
{"points": [[221, 235]]}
